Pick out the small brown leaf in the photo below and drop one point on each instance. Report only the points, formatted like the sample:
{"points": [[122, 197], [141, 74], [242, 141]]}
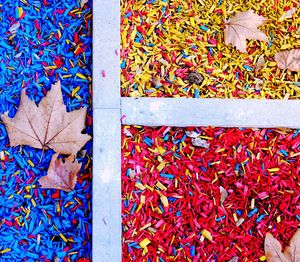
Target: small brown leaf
{"points": [[288, 60], [195, 78], [293, 250], [244, 26], [260, 63], [61, 174], [156, 81], [47, 125], [273, 250]]}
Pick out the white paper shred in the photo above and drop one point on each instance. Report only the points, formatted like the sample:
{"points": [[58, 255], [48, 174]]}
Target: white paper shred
{"points": [[288, 14], [234, 259], [240, 221], [13, 29], [36, 56], [127, 133], [138, 70], [224, 194], [166, 131], [83, 2], [137, 169], [18, 55], [258, 83], [192, 134], [200, 142], [131, 173]]}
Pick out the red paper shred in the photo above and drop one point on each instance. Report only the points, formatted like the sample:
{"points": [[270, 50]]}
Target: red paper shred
{"points": [[171, 196]]}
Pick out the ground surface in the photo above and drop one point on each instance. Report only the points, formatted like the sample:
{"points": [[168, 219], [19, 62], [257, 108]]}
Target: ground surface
{"points": [[172, 206], [42, 42], [164, 41], [171, 192]]}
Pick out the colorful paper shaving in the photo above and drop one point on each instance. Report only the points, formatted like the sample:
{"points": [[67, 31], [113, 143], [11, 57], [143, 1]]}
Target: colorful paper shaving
{"points": [[41, 42], [170, 40], [208, 204]]}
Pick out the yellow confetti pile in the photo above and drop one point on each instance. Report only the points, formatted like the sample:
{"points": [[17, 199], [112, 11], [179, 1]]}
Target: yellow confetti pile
{"points": [[163, 41]]}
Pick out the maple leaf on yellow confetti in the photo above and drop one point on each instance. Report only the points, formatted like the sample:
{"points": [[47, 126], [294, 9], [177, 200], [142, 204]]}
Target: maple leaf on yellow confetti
{"points": [[288, 60], [243, 26]]}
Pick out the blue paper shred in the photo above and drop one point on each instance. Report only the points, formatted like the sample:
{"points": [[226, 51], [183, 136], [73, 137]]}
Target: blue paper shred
{"points": [[41, 51]]}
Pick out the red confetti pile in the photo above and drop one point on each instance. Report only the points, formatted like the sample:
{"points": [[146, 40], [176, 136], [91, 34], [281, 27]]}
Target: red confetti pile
{"points": [[186, 203]]}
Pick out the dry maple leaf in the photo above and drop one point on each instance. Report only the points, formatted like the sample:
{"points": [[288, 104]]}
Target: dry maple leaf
{"points": [[244, 26], [273, 249], [288, 60], [47, 125], [61, 174]]}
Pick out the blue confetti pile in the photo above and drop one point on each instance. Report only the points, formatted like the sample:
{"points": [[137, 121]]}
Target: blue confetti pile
{"points": [[41, 42]]}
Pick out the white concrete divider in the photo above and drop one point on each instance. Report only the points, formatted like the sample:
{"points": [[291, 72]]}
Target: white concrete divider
{"points": [[184, 112], [106, 185], [107, 132]]}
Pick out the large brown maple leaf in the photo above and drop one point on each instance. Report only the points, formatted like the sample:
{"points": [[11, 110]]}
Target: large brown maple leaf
{"points": [[244, 26], [47, 125]]}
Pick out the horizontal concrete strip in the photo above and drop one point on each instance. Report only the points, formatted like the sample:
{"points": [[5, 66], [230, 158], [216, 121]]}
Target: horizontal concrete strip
{"points": [[183, 112]]}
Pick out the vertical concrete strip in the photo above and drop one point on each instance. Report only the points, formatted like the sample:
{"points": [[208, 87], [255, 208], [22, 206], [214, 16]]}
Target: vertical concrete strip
{"points": [[107, 132], [107, 186], [106, 59]]}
